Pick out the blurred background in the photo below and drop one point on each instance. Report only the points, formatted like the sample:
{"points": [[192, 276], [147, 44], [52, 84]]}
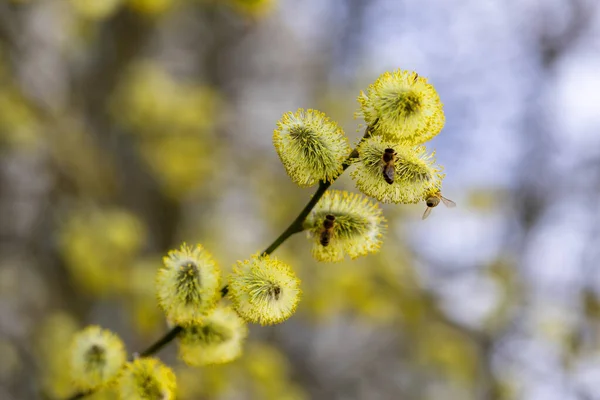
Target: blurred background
{"points": [[129, 126]]}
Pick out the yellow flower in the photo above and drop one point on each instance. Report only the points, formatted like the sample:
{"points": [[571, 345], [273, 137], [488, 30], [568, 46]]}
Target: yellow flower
{"points": [[414, 172], [310, 146], [264, 290], [403, 107], [146, 379], [188, 286], [98, 246], [358, 226], [217, 340], [97, 356]]}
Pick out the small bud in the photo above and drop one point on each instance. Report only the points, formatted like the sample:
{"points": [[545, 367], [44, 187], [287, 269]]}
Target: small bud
{"points": [[188, 286], [358, 226], [97, 356], [403, 107], [217, 340], [310, 146], [264, 290], [414, 172], [146, 379]]}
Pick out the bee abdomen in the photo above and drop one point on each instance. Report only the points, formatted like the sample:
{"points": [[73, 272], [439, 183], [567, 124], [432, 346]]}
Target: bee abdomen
{"points": [[388, 178], [328, 223], [324, 240]]}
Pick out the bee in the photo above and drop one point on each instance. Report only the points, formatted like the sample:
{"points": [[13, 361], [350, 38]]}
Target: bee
{"points": [[276, 292], [434, 200], [389, 170], [327, 230]]}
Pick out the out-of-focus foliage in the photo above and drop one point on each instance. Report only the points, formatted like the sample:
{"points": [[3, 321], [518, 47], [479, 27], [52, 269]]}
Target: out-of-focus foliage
{"points": [[18, 125], [147, 316], [94, 9], [11, 362], [262, 373], [100, 247], [130, 126], [173, 124], [54, 337]]}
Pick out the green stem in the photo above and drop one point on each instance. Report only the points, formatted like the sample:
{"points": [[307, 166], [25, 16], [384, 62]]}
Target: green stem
{"points": [[160, 343], [295, 227]]}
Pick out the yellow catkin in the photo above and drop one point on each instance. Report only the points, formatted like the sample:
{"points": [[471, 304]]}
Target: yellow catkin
{"points": [[97, 356], [146, 379], [188, 285], [310, 146], [402, 106], [357, 229], [415, 172], [264, 290], [219, 339]]}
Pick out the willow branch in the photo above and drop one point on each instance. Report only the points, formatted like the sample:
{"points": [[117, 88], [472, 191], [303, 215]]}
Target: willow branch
{"points": [[295, 227], [162, 342], [298, 224]]}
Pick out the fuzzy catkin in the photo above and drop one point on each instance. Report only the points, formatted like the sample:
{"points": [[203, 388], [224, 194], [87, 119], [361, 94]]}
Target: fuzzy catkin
{"points": [[188, 285], [415, 172], [358, 228], [402, 106], [264, 290], [310, 146]]}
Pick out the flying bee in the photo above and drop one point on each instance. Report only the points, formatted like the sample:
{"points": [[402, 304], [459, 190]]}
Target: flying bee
{"points": [[327, 230], [389, 169], [434, 200]]}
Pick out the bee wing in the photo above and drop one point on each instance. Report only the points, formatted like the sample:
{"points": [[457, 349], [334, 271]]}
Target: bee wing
{"points": [[389, 171], [427, 212], [447, 202]]}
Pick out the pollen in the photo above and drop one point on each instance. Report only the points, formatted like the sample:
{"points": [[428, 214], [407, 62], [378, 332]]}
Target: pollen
{"points": [[415, 172], [219, 339], [403, 107], [188, 285], [264, 290], [310, 146], [146, 379], [97, 356], [357, 231]]}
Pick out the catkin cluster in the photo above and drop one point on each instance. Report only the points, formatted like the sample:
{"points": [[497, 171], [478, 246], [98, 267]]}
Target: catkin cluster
{"points": [[390, 164]]}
